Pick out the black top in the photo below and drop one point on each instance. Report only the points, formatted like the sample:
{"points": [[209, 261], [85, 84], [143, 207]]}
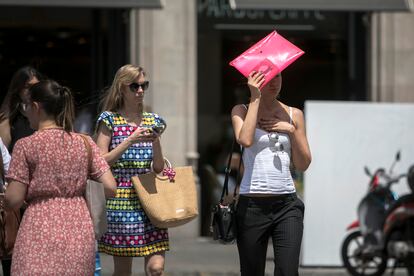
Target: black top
{"points": [[20, 128]]}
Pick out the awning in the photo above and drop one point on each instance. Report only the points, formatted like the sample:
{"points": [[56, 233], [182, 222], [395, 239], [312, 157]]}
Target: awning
{"points": [[86, 3], [332, 5]]}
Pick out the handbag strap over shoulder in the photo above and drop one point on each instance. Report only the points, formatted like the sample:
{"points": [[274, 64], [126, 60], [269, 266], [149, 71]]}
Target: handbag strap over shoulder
{"points": [[225, 191], [89, 150]]}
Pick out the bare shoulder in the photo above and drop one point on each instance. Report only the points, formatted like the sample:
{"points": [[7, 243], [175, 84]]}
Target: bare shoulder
{"points": [[297, 113], [297, 117], [239, 110], [5, 124]]}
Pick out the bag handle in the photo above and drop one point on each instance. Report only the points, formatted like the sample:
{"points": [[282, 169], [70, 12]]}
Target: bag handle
{"points": [[166, 162], [225, 191], [167, 173], [89, 150]]}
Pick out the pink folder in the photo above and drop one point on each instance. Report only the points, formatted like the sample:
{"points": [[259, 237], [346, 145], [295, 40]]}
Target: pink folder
{"points": [[271, 55]]}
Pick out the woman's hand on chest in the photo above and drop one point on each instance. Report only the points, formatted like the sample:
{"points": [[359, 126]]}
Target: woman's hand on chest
{"points": [[276, 125]]}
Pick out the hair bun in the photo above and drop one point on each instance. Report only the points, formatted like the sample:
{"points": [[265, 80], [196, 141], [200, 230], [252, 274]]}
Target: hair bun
{"points": [[62, 90]]}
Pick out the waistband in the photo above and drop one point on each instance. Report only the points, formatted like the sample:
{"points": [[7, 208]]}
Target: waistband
{"points": [[42, 199], [267, 199]]}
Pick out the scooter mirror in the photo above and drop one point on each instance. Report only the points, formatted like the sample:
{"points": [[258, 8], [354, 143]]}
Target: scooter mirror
{"points": [[410, 178], [367, 171], [398, 156]]}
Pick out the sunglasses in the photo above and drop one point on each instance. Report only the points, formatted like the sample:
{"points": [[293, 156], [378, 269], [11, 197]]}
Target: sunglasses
{"points": [[134, 87]]}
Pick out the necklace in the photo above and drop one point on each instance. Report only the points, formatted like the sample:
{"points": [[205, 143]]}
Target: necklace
{"points": [[50, 127]]}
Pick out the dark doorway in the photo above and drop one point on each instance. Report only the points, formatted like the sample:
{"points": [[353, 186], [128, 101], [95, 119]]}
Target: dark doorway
{"points": [[79, 47]]}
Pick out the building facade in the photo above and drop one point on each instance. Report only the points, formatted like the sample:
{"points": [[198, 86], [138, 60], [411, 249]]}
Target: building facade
{"points": [[362, 51]]}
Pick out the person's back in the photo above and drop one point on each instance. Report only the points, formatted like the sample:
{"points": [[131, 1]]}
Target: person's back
{"points": [[48, 171], [54, 157], [55, 171]]}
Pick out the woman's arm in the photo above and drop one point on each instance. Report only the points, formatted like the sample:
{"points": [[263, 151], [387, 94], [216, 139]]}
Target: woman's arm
{"points": [[301, 154], [5, 132], [15, 195], [244, 123], [157, 156], [109, 183], [103, 140]]}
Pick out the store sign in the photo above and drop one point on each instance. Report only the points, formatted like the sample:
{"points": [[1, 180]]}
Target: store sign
{"points": [[331, 5], [219, 15], [86, 3], [221, 9]]}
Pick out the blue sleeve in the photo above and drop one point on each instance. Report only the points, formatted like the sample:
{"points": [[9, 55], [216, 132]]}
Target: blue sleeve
{"points": [[107, 118], [159, 121]]}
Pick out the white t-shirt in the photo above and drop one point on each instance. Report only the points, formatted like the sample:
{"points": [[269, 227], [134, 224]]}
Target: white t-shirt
{"points": [[6, 158]]}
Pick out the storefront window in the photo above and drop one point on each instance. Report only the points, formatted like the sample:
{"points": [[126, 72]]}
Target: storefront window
{"points": [[79, 47]]}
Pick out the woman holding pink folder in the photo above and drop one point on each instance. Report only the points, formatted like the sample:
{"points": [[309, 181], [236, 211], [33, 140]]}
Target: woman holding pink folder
{"points": [[274, 139]]}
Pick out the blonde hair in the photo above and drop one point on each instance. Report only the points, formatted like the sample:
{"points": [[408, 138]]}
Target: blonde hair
{"points": [[113, 99]]}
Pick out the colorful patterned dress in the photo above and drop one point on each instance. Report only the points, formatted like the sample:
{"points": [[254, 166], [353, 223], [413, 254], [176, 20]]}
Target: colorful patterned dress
{"points": [[130, 233]]}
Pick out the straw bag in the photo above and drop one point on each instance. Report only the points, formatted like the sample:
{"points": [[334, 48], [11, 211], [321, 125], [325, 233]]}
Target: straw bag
{"points": [[170, 199], [95, 199]]}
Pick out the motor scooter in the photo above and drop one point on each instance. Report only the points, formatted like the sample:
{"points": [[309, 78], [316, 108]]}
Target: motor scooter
{"points": [[384, 229], [399, 229]]}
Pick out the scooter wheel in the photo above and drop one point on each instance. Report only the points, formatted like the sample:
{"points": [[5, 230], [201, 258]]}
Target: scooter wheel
{"points": [[356, 263]]}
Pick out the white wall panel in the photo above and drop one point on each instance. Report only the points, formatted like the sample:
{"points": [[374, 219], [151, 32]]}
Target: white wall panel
{"points": [[344, 137]]}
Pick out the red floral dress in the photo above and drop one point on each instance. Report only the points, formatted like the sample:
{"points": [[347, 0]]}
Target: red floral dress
{"points": [[56, 235]]}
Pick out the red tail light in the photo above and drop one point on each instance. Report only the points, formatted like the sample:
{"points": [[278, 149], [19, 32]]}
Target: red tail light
{"points": [[375, 182]]}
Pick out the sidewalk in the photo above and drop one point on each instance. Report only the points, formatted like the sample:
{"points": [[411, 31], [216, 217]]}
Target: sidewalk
{"points": [[198, 256], [202, 257], [191, 255]]}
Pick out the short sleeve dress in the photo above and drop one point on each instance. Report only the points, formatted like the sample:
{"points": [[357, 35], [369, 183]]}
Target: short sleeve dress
{"points": [[56, 235], [130, 232]]}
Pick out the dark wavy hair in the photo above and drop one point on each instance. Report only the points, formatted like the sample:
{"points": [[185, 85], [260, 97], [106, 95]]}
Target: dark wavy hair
{"points": [[56, 100], [10, 106]]}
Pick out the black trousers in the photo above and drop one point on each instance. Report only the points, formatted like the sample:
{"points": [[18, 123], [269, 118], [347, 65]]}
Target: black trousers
{"points": [[6, 265], [278, 217]]}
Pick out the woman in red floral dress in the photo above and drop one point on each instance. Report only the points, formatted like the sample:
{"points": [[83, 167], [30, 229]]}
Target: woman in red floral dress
{"points": [[49, 170]]}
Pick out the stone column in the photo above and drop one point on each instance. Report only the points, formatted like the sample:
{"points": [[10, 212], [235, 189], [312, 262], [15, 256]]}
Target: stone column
{"points": [[392, 57], [163, 41]]}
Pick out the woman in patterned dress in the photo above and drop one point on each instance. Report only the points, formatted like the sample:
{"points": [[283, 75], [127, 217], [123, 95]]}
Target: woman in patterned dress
{"points": [[49, 170], [129, 146]]}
